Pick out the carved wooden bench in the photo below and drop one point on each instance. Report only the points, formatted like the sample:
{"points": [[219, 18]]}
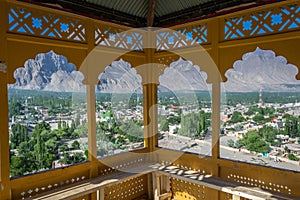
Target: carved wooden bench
{"points": [[161, 174], [96, 184], [238, 190]]}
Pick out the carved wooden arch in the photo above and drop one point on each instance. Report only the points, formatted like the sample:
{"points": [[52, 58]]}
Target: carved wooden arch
{"points": [[118, 60], [287, 47], [18, 51], [265, 51], [198, 56], [162, 60]]}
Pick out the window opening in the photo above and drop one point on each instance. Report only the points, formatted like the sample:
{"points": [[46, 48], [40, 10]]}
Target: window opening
{"points": [[47, 115], [119, 110], [184, 111], [260, 118]]}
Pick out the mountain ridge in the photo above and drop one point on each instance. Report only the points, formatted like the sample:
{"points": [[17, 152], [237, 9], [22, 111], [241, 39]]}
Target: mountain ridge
{"points": [[52, 72]]}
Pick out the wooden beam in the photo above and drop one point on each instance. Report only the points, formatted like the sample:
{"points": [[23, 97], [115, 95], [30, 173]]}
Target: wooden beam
{"points": [[151, 12]]}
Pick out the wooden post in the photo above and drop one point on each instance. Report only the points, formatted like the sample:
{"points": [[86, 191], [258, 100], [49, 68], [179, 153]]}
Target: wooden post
{"points": [[101, 194], [158, 187], [150, 83], [91, 115], [215, 107], [154, 186], [4, 142], [5, 187], [150, 185], [216, 122], [235, 197], [150, 115], [92, 146], [215, 80]]}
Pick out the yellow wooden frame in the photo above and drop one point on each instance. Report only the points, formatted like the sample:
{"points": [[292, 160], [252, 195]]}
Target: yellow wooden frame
{"points": [[222, 52]]}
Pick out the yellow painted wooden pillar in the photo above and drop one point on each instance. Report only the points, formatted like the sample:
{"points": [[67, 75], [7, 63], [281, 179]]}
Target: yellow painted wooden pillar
{"points": [[150, 84], [4, 141], [150, 115], [5, 190], [91, 110], [91, 99], [215, 106], [215, 80], [92, 147], [91, 115]]}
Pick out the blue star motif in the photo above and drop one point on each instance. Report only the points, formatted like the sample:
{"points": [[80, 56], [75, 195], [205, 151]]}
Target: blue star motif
{"points": [[129, 40], [36, 23], [247, 25], [189, 36], [276, 19], [64, 27], [112, 37], [171, 40]]}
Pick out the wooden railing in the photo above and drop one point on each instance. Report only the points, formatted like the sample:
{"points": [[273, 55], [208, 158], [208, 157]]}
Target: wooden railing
{"points": [[26, 19], [189, 173]]}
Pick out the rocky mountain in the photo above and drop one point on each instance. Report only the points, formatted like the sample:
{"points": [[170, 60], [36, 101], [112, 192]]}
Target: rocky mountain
{"points": [[48, 71], [52, 72], [183, 75], [261, 69], [119, 77]]}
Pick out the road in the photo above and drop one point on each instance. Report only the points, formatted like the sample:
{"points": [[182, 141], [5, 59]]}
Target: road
{"points": [[204, 148]]}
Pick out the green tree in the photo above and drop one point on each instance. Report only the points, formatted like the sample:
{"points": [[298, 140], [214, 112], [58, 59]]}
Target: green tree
{"points": [[259, 118], [75, 145], [82, 130], [239, 144], [64, 125], [19, 134], [189, 125], [236, 117], [25, 162], [164, 125], [268, 133], [293, 157], [63, 148], [194, 124], [77, 120], [254, 142], [280, 110], [51, 146], [15, 108], [230, 143], [252, 110], [78, 158], [134, 132], [73, 126], [202, 124], [59, 124], [173, 119], [68, 159], [292, 126]]}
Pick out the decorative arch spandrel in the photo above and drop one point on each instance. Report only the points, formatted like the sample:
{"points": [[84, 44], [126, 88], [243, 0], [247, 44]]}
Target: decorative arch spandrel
{"points": [[289, 48], [18, 51]]}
